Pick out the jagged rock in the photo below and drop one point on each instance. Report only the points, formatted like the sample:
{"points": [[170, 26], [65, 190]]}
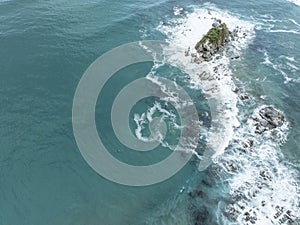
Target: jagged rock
{"points": [[235, 57], [232, 213], [268, 118], [231, 167], [187, 52], [265, 176], [247, 146], [250, 218], [236, 90], [234, 34], [244, 97], [213, 41], [272, 116]]}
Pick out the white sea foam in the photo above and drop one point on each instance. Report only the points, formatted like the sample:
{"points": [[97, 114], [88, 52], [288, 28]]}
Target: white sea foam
{"points": [[296, 2], [266, 59], [213, 78], [294, 22], [147, 117], [285, 31], [289, 58], [292, 66], [266, 188], [178, 11], [264, 182]]}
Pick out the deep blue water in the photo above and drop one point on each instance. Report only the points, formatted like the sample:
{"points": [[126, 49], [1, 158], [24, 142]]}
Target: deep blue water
{"points": [[45, 47]]}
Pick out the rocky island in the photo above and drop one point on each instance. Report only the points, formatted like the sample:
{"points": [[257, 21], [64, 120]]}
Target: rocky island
{"points": [[213, 41]]}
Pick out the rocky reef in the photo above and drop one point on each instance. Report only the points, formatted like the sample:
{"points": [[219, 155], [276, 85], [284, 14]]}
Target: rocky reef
{"points": [[250, 201], [213, 41], [245, 184], [268, 118]]}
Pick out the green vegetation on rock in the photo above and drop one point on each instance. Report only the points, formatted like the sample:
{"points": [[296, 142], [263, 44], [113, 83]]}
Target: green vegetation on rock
{"points": [[216, 37]]}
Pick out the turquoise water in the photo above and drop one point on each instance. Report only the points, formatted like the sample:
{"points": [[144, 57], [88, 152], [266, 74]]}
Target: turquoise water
{"points": [[45, 47]]}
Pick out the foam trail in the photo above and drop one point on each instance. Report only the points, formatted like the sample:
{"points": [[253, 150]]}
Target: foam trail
{"points": [[268, 62], [147, 117], [294, 22], [285, 31], [213, 78]]}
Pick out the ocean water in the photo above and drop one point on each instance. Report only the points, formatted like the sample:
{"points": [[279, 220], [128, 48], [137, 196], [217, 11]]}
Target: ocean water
{"points": [[45, 47]]}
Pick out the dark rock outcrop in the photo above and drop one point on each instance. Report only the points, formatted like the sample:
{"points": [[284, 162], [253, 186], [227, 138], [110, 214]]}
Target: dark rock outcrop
{"points": [[212, 42], [268, 118]]}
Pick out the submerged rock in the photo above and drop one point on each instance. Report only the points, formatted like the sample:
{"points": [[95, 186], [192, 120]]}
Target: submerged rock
{"points": [[200, 216], [213, 41]]}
